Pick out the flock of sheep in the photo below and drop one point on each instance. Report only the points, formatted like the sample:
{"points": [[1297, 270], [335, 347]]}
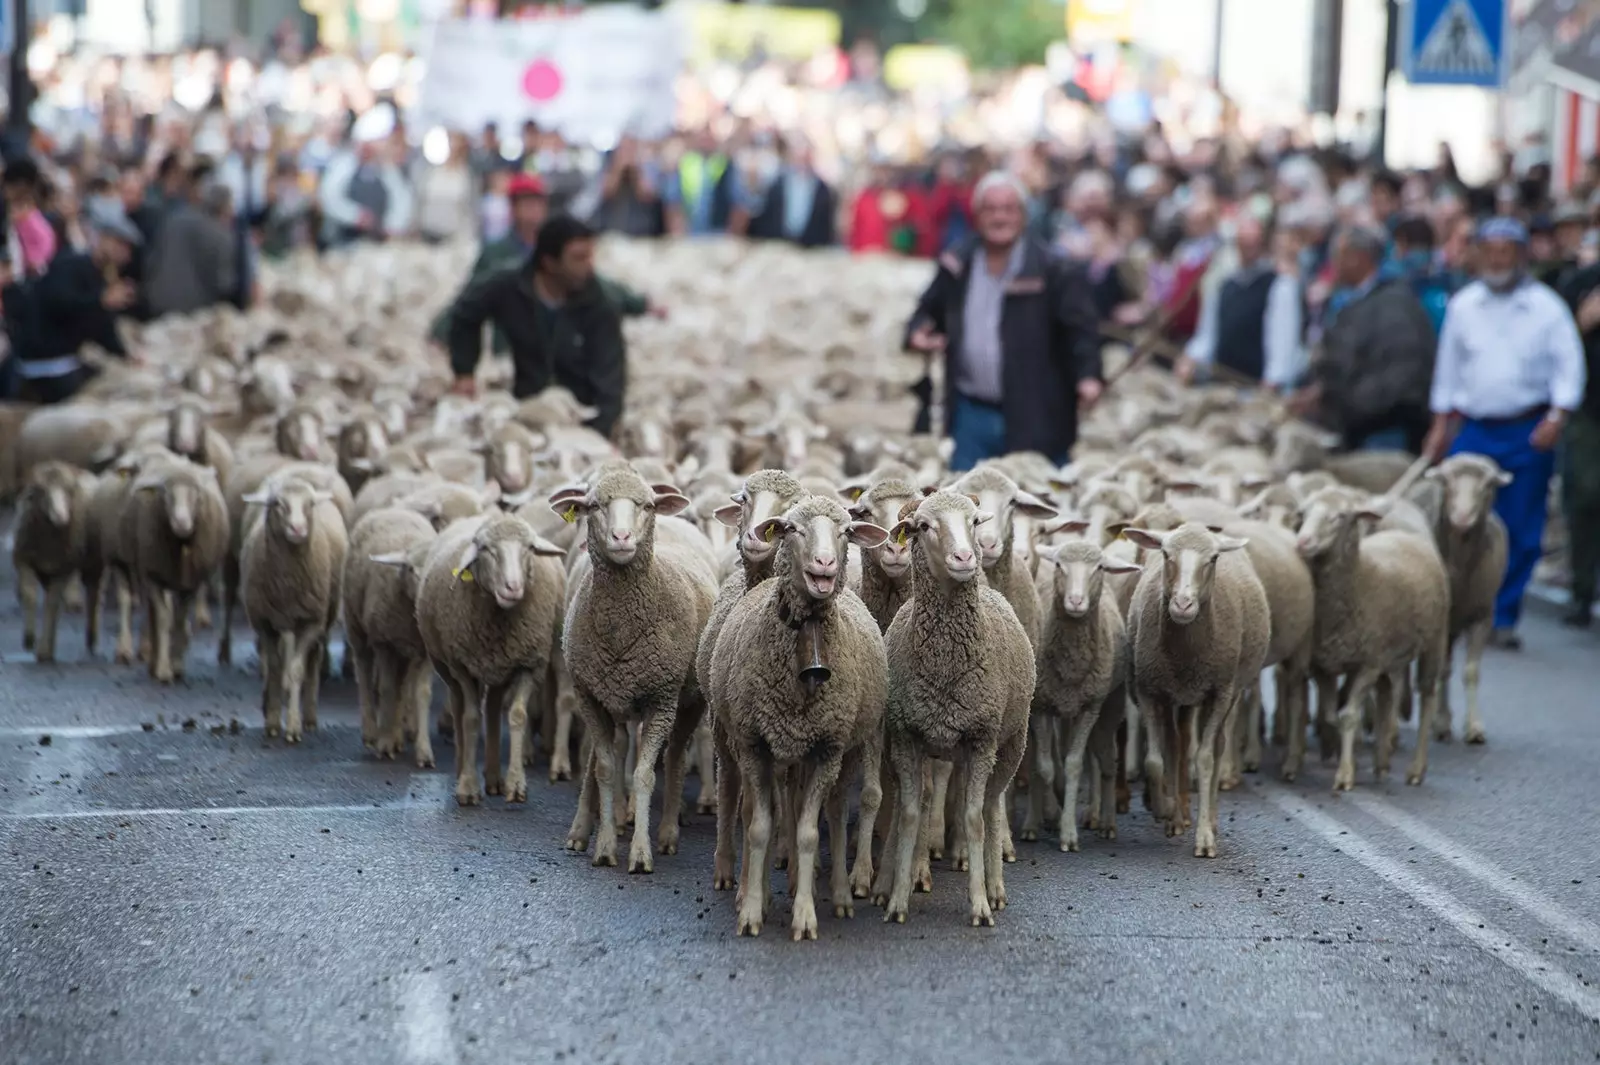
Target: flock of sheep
{"points": [[765, 579]]}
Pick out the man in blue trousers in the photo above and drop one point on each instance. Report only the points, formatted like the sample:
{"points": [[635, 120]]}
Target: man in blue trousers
{"points": [[1510, 371]]}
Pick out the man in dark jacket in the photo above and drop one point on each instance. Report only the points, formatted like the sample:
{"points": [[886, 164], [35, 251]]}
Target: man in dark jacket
{"points": [[1370, 382], [561, 328], [194, 263], [799, 206], [1018, 332], [1580, 452], [70, 306]]}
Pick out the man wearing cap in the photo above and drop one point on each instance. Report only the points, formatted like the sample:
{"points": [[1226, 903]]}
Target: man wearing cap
{"points": [[1509, 373], [530, 206], [364, 196], [71, 305]]}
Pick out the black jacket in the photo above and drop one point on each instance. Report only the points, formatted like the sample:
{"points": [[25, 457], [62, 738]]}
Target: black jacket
{"points": [[1579, 283], [586, 353], [1376, 364], [60, 312], [1049, 339], [818, 231]]}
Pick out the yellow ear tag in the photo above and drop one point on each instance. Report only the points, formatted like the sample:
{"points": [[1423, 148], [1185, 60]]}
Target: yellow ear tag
{"points": [[901, 537], [462, 575], [124, 474], [771, 533], [570, 514]]}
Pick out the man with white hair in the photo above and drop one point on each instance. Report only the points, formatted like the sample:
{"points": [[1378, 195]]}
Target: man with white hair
{"points": [[1018, 333]]}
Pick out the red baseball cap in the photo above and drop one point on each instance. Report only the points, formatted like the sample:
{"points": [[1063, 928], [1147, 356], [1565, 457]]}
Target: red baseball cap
{"points": [[525, 185]]}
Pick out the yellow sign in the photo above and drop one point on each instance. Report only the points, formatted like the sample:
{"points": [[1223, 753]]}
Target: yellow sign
{"points": [[720, 30], [1099, 21], [912, 66]]}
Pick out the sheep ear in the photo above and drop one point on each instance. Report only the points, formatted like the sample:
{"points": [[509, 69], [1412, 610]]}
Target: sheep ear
{"points": [[854, 490], [1502, 479], [729, 514], [567, 493], [903, 532], [1048, 553], [772, 528], [258, 499], [1113, 564], [662, 488], [981, 517], [1370, 514], [1116, 529], [393, 558], [463, 566], [1030, 505], [1254, 482], [1254, 506], [1215, 530], [669, 504], [489, 494], [929, 489], [859, 511], [1230, 543], [1184, 487], [1075, 526], [541, 546], [1144, 538], [866, 534]]}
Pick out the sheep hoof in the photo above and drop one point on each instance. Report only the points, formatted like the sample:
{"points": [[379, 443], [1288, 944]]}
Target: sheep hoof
{"points": [[28, 641], [1341, 784], [468, 797], [1108, 832], [1008, 853], [44, 658], [1476, 737], [1029, 835], [516, 792], [494, 787], [273, 732], [123, 657], [842, 910], [749, 926], [997, 899], [958, 864], [1228, 785], [1442, 734], [895, 916], [936, 854], [982, 916], [1124, 804], [641, 863], [1289, 775], [706, 806], [861, 886], [922, 883], [607, 860], [1207, 851], [1414, 777], [724, 882], [781, 863], [577, 843], [667, 846], [1069, 844], [804, 924]]}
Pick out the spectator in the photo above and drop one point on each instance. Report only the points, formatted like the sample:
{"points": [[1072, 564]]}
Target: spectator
{"points": [[1384, 198], [1414, 260], [799, 206], [559, 325], [1580, 452], [364, 196], [30, 239], [486, 158], [193, 265], [286, 222], [1017, 331], [71, 305], [630, 193], [1252, 324], [447, 196], [1191, 261], [883, 218], [1370, 382], [949, 205], [1510, 374], [705, 193]]}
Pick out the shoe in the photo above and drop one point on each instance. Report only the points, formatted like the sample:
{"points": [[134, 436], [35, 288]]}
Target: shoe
{"points": [[1581, 616], [1505, 640]]}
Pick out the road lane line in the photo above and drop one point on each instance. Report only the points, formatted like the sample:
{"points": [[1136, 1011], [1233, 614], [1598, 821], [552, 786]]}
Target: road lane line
{"points": [[1492, 940], [1527, 898], [425, 1020], [205, 811]]}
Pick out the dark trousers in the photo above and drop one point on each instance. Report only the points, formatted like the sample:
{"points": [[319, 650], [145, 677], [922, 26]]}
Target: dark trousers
{"points": [[1580, 499], [52, 389]]}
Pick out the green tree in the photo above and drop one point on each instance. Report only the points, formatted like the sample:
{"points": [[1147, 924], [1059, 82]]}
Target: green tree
{"points": [[999, 34]]}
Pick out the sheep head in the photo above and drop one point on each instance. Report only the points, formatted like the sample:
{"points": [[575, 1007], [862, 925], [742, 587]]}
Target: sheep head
{"points": [[943, 529], [997, 494], [1189, 565], [1081, 567], [815, 536], [882, 505], [186, 426], [180, 486], [498, 556], [1331, 517], [290, 506], [765, 494], [298, 434], [1470, 485], [50, 489], [622, 510]]}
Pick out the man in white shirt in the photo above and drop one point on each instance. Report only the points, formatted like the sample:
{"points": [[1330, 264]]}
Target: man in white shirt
{"points": [[1510, 370], [1251, 323]]}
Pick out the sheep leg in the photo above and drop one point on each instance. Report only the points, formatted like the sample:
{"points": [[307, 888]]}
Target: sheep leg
{"points": [[922, 876], [566, 703], [1044, 775], [161, 624], [517, 695], [417, 696], [296, 650], [1282, 679], [1388, 723], [883, 882], [72, 598], [123, 584], [1216, 727], [1477, 639], [271, 685], [371, 667], [936, 820], [146, 634], [230, 599], [1298, 704], [1350, 725], [1103, 742], [907, 759], [981, 801], [680, 747], [1252, 728], [583, 822], [1008, 849], [1232, 739], [55, 591], [839, 891], [1431, 683], [1327, 714], [705, 766], [178, 621], [756, 782], [92, 598], [722, 877], [1126, 753], [1443, 722], [871, 802], [493, 711], [469, 792], [628, 762], [1008, 757], [814, 785], [317, 659], [1179, 772], [456, 706], [28, 596], [202, 608], [782, 819], [657, 730], [1079, 728]]}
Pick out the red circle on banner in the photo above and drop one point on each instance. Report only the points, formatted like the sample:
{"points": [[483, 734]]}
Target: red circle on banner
{"points": [[542, 80]]}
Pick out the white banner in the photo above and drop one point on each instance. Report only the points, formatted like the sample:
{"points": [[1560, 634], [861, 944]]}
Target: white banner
{"points": [[592, 76]]}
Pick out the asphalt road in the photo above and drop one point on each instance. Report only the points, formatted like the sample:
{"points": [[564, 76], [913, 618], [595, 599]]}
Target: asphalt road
{"points": [[174, 890]]}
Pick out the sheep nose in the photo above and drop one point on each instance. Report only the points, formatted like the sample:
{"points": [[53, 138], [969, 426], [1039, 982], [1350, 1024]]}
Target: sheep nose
{"points": [[824, 567], [1302, 543], [1076, 602], [621, 536], [961, 556]]}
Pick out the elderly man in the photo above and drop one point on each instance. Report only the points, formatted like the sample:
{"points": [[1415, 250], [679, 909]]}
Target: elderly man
{"points": [[1251, 323], [1370, 382], [1017, 331], [1510, 373]]}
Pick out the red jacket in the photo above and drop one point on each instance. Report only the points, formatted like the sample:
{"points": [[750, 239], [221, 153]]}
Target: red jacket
{"points": [[887, 219]]}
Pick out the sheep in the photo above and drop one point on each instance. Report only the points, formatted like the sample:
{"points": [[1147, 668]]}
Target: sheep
{"points": [[490, 593], [362, 441], [387, 489], [1080, 665], [48, 546], [299, 431], [779, 721], [446, 502], [629, 639], [382, 571], [291, 567], [188, 435], [509, 455], [1299, 447], [457, 464], [885, 582], [1383, 602], [82, 435], [179, 523], [1275, 504], [1198, 630], [961, 677], [1473, 539]]}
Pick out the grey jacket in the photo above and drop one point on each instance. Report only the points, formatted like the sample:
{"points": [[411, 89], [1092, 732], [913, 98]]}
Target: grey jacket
{"points": [[193, 263], [1376, 360]]}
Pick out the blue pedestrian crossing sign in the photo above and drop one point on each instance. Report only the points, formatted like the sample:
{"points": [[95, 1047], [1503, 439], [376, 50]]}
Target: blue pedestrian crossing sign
{"points": [[1455, 42]]}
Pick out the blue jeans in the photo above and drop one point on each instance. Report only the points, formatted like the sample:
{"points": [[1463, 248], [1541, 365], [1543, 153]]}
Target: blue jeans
{"points": [[1521, 504], [1385, 440], [979, 430]]}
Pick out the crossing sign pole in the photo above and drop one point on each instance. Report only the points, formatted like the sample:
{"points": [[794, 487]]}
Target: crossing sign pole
{"points": [[1455, 42]]}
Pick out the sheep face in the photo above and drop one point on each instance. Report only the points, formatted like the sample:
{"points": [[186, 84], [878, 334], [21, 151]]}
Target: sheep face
{"points": [[186, 427], [997, 494], [765, 494], [361, 442], [1300, 447], [498, 558], [180, 498], [1104, 506], [299, 435], [1326, 517], [1189, 556], [945, 527], [1080, 575], [510, 464], [622, 510], [289, 509], [883, 506], [1470, 485], [49, 491], [815, 535]]}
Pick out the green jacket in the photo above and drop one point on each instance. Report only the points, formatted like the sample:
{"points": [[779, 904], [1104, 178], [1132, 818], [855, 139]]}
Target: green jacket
{"points": [[508, 253]]}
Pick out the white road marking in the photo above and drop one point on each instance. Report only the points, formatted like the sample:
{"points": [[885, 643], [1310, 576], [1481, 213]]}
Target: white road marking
{"points": [[1526, 897], [205, 811], [95, 732], [1492, 940], [425, 1020]]}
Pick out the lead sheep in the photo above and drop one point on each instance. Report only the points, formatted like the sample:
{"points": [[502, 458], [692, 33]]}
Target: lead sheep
{"points": [[180, 527], [48, 548]]}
